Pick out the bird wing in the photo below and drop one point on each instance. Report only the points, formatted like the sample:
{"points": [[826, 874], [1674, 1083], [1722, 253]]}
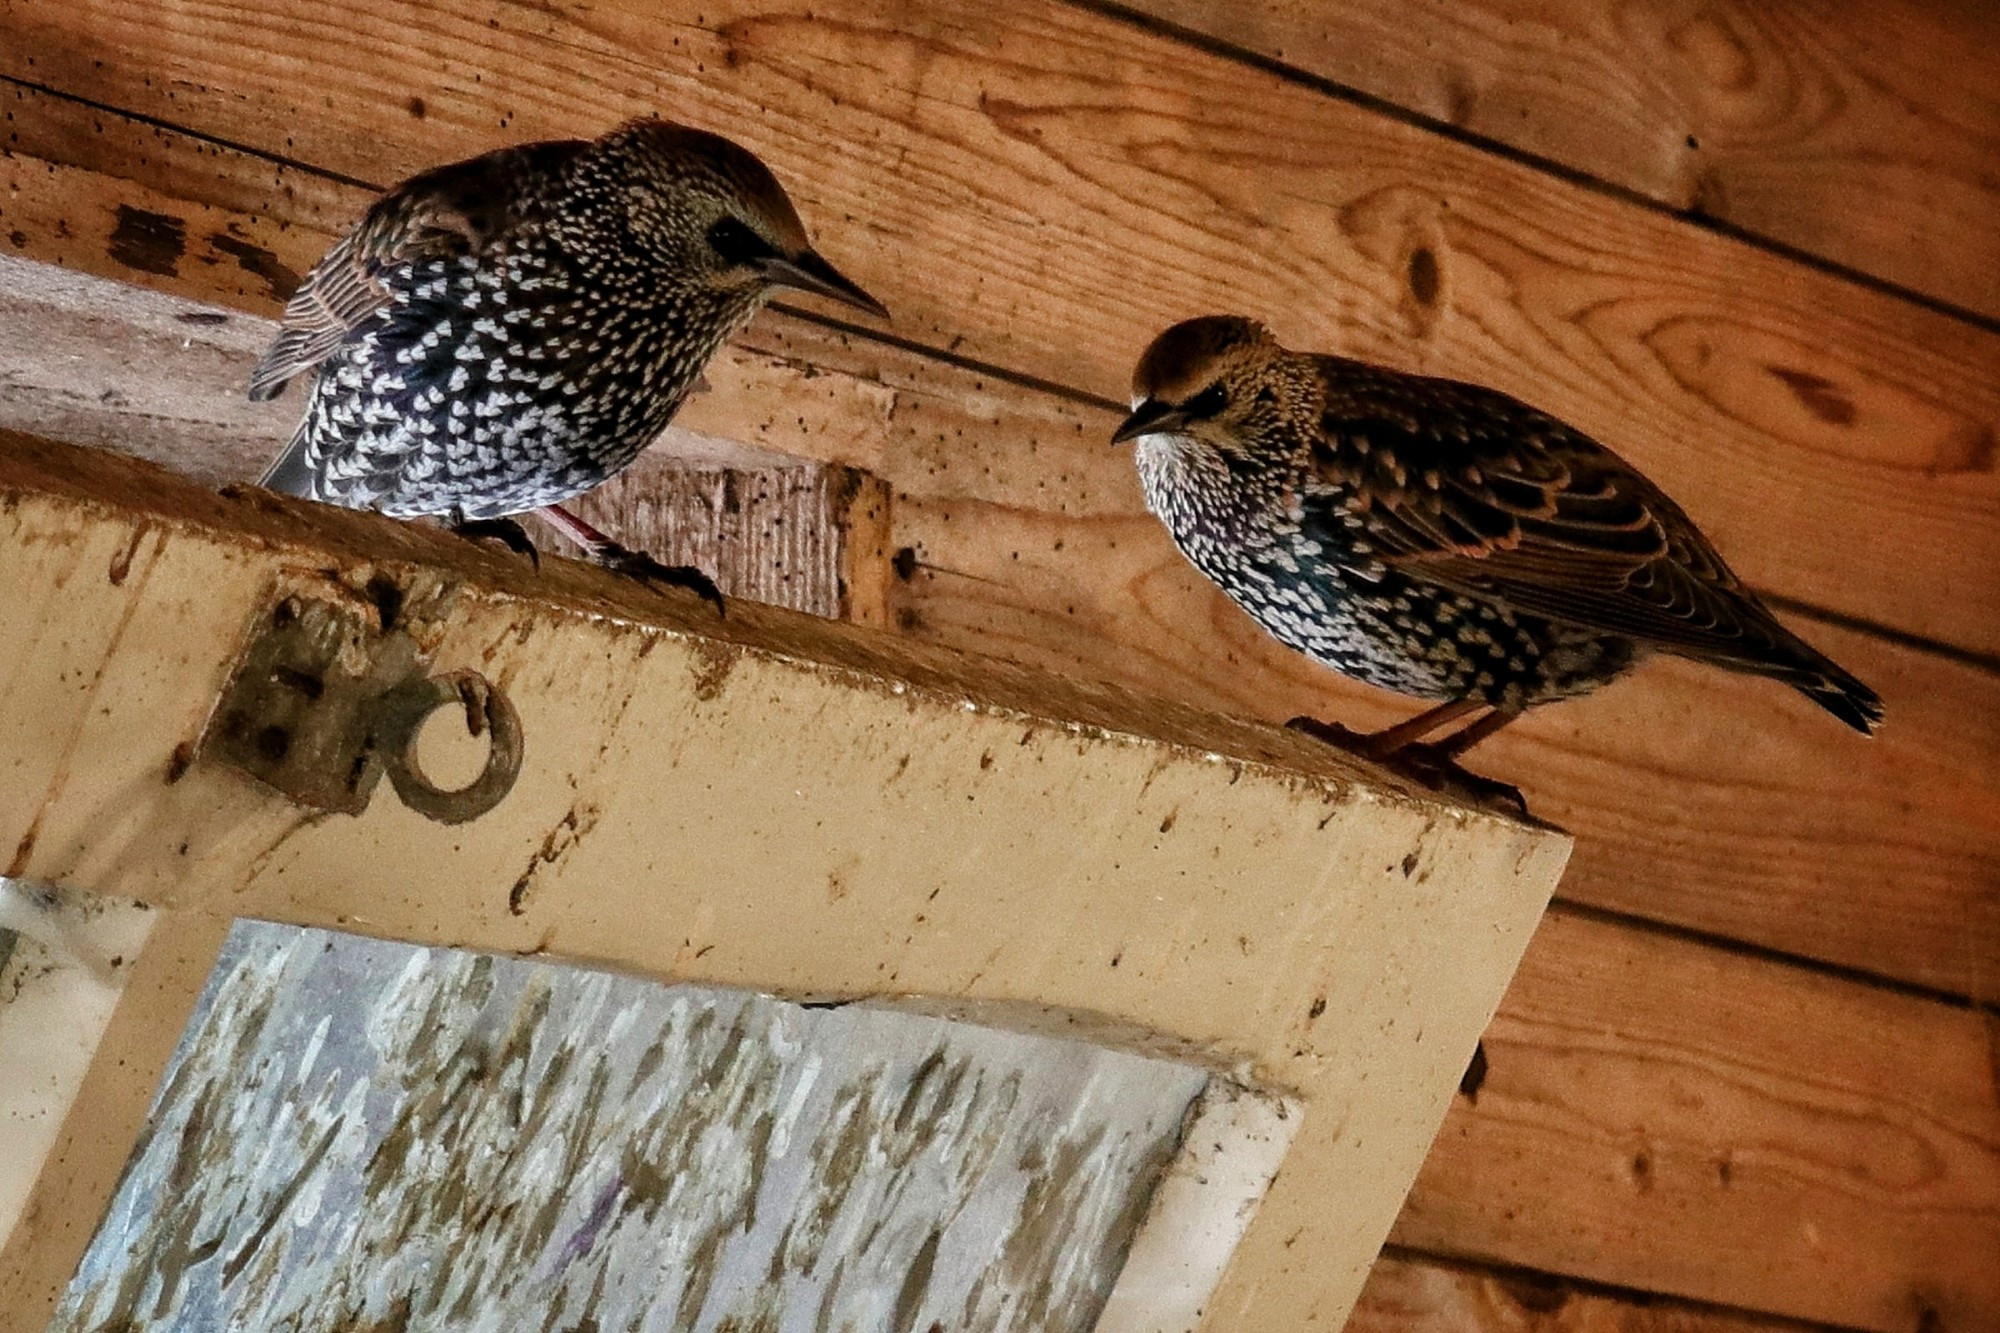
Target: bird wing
{"points": [[452, 210], [1473, 490]]}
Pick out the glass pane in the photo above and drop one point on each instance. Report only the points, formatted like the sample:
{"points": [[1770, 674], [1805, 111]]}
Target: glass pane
{"points": [[359, 1134]]}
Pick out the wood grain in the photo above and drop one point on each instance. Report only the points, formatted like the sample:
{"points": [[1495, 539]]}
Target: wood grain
{"points": [[807, 536], [1584, 974], [1834, 1149], [1043, 188], [1792, 119]]}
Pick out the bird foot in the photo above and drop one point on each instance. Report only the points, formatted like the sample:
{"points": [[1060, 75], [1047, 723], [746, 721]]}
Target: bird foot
{"points": [[503, 530], [1438, 768], [1434, 766], [1339, 737], [639, 565]]}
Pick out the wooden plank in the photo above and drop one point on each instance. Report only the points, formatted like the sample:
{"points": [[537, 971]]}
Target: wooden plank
{"points": [[793, 805], [1793, 120], [808, 536], [1410, 1293], [1044, 188], [1695, 1121], [1701, 799]]}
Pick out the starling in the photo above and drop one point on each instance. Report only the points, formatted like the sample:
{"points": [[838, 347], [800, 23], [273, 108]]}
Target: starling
{"points": [[1435, 538], [502, 334]]}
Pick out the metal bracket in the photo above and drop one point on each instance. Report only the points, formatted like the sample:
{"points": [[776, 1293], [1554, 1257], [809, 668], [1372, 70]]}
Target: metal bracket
{"points": [[326, 702]]}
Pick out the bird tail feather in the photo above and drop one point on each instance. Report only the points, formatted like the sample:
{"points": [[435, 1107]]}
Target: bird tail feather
{"points": [[1815, 675], [1843, 696], [291, 472], [276, 368]]}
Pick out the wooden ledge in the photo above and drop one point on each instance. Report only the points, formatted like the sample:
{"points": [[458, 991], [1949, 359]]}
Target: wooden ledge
{"points": [[770, 801], [354, 547]]}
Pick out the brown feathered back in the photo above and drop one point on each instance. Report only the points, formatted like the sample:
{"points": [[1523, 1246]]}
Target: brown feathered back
{"points": [[451, 210], [1472, 489], [1462, 496]]}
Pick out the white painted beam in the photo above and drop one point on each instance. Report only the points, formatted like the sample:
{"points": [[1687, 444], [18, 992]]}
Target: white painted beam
{"points": [[770, 802]]}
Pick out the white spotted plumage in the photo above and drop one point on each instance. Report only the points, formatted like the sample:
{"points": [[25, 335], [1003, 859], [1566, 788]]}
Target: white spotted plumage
{"points": [[503, 334]]}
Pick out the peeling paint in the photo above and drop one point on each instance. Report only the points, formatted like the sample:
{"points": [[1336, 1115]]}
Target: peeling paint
{"points": [[357, 1134]]}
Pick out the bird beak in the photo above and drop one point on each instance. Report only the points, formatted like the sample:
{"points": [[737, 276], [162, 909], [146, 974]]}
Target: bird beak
{"points": [[810, 273], [1151, 417]]}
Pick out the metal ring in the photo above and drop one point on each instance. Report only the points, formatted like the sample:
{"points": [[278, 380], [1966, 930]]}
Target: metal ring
{"points": [[487, 710]]}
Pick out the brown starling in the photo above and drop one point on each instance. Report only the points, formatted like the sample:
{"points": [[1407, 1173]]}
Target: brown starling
{"points": [[503, 334], [1436, 538]]}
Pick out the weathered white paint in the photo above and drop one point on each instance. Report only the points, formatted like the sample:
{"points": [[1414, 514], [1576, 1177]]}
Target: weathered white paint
{"points": [[359, 1134], [771, 802], [58, 985]]}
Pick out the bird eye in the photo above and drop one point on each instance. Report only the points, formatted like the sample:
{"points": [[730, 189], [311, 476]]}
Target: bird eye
{"points": [[737, 244], [1209, 402]]}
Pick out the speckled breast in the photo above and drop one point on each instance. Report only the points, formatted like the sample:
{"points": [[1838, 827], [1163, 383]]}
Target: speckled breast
{"points": [[485, 391]]}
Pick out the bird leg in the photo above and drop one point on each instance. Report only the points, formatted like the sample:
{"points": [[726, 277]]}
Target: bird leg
{"points": [[1435, 764], [503, 530], [636, 564], [1402, 749], [1453, 746]]}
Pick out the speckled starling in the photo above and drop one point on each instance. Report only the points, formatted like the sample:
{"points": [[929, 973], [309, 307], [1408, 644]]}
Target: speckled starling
{"points": [[1435, 538], [503, 334]]}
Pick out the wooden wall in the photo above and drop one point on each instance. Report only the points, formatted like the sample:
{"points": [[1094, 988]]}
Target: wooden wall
{"points": [[1750, 1072]]}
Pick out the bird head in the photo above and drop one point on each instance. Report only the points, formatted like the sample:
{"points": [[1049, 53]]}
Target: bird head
{"points": [[707, 208], [1211, 381]]}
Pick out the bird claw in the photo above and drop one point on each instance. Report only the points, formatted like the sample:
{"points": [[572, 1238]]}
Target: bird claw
{"points": [[1437, 768], [1434, 766], [503, 530], [639, 565], [1334, 734]]}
